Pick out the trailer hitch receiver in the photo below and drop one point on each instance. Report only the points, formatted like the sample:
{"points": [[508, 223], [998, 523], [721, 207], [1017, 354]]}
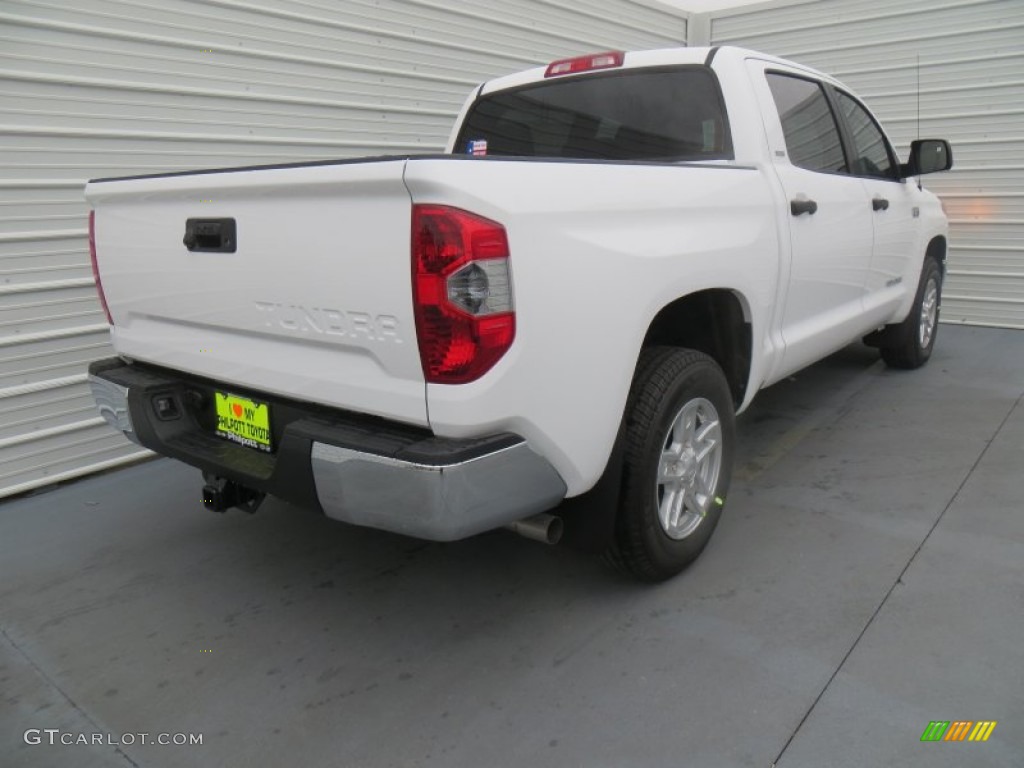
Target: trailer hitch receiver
{"points": [[221, 494]]}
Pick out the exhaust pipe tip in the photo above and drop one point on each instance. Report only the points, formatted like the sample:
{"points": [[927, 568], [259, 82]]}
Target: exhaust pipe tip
{"points": [[545, 528]]}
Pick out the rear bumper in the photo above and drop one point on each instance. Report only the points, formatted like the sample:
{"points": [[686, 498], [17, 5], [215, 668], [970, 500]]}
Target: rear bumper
{"points": [[357, 469]]}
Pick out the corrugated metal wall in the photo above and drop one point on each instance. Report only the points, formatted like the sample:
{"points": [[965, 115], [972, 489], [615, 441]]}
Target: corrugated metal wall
{"points": [[971, 92], [111, 87]]}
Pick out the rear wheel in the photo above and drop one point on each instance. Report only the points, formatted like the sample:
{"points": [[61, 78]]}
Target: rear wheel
{"points": [[909, 344], [679, 435]]}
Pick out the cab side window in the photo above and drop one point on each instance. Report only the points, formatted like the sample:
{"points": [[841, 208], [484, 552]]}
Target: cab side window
{"points": [[873, 157], [812, 136]]}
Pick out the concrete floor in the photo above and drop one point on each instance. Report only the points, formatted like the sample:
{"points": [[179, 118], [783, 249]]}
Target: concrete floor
{"points": [[867, 578]]}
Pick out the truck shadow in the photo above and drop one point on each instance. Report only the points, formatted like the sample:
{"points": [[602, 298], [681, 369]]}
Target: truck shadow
{"points": [[778, 418], [308, 552], [791, 409]]}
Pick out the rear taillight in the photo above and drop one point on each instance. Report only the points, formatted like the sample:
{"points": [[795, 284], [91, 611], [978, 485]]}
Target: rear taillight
{"points": [[95, 266], [607, 60], [465, 319]]}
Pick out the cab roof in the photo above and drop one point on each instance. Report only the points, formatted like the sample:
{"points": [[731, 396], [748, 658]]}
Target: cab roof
{"points": [[659, 57]]}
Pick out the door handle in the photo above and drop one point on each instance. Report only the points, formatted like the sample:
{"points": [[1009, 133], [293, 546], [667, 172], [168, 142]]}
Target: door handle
{"points": [[879, 204], [797, 207]]}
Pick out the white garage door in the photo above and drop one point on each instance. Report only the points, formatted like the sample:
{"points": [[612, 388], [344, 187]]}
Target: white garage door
{"points": [[971, 74], [113, 87]]}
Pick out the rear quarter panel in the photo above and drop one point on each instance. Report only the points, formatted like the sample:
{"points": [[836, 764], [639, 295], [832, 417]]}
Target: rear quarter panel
{"points": [[597, 249]]}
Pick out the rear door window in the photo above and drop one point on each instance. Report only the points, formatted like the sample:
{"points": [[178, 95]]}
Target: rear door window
{"points": [[812, 136], [628, 115]]}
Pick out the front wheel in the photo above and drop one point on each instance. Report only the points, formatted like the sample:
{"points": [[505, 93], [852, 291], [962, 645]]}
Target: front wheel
{"points": [[679, 436], [909, 344]]}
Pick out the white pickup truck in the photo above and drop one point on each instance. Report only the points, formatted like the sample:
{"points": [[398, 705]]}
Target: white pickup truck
{"points": [[550, 326]]}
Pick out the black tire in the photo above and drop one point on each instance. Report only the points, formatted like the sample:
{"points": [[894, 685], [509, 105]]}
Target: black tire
{"points": [[906, 345], [669, 383]]}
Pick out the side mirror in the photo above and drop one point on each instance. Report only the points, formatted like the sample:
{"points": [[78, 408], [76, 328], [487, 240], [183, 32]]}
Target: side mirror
{"points": [[928, 156]]}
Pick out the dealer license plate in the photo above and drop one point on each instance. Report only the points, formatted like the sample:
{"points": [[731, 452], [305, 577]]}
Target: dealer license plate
{"points": [[243, 421]]}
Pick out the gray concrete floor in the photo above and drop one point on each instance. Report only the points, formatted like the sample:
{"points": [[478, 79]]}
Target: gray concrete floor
{"points": [[867, 578]]}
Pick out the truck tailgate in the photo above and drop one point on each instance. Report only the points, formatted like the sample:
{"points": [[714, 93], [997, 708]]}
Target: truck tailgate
{"points": [[314, 302]]}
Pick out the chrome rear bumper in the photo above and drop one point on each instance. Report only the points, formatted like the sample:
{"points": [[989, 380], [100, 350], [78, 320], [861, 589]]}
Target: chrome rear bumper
{"points": [[442, 502], [112, 401], [365, 472]]}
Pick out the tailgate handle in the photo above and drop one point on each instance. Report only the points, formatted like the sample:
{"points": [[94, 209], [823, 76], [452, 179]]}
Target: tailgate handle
{"points": [[210, 235]]}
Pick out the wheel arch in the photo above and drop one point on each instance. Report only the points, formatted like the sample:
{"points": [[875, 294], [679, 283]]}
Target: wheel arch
{"points": [[715, 321], [937, 250]]}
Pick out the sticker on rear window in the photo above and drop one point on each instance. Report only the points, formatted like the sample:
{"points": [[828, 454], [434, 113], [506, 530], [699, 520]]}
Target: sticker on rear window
{"points": [[477, 147]]}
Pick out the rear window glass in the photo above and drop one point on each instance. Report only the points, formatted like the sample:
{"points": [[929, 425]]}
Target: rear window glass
{"points": [[632, 115]]}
